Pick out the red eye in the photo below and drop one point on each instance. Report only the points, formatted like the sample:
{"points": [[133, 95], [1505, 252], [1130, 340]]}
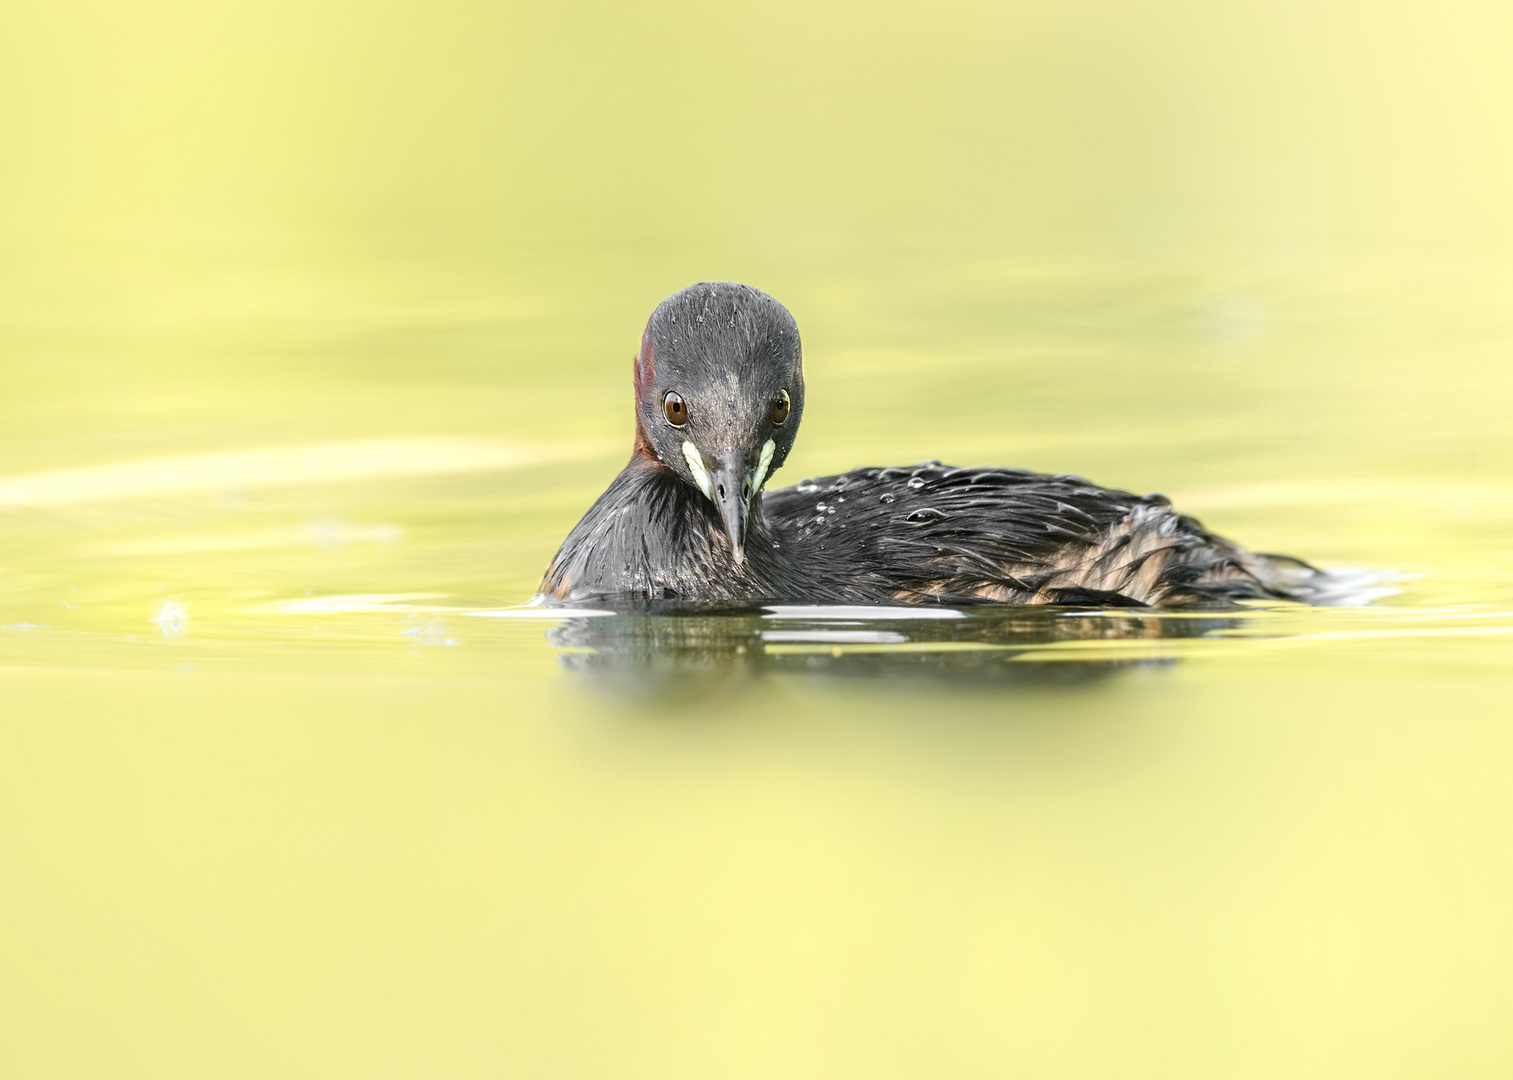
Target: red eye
{"points": [[780, 407], [674, 409]]}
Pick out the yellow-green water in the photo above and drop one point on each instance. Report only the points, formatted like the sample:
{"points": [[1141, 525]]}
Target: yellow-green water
{"points": [[315, 328]]}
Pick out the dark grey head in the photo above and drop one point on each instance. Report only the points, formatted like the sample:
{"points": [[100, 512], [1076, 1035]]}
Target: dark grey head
{"points": [[720, 392]]}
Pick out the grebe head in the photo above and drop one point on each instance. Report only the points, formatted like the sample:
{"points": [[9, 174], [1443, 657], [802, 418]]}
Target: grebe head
{"points": [[719, 393]]}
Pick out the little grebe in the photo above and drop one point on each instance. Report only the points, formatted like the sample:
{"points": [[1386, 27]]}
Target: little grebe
{"points": [[719, 388]]}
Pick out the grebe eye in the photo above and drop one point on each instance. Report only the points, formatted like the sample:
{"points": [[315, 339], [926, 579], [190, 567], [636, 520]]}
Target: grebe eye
{"points": [[780, 407], [674, 409]]}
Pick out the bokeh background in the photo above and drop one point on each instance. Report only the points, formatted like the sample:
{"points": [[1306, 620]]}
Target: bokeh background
{"points": [[315, 322]]}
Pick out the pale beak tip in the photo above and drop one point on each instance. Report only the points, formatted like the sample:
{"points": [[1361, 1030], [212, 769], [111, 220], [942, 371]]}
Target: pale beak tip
{"points": [[740, 555]]}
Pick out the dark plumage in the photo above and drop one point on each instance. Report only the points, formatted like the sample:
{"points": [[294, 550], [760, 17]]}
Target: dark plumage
{"points": [[719, 396]]}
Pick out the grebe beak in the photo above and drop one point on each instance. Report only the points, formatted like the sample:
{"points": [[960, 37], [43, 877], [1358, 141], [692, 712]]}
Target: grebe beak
{"points": [[732, 489]]}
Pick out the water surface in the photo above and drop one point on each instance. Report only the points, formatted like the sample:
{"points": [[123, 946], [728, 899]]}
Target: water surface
{"points": [[315, 329]]}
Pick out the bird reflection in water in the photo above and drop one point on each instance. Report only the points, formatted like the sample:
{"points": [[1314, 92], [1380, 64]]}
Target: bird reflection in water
{"points": [[987, 644]]}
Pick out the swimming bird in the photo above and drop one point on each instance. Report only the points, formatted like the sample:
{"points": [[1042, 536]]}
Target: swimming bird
{"points": [[719, 395]]}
